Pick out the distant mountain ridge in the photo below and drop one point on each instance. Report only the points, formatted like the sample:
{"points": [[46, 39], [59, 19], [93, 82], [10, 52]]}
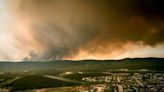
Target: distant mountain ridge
{"points": [[128, 63]]}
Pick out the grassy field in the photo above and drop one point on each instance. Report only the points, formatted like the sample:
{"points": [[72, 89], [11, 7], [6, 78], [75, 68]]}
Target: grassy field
{"points": [[33, 82]]}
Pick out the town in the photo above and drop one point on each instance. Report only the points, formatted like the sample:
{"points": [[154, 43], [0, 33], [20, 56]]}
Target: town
{"points": [[126, 82]]}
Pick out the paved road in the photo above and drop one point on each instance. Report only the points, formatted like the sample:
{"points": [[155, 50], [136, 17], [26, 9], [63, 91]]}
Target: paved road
{"points": [[62, 79]]}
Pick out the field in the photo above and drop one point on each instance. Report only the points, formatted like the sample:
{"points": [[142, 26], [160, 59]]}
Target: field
{"points": [[75, 76]]}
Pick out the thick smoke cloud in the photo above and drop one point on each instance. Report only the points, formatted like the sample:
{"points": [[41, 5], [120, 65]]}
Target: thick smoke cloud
{"points": [[63, 28]]}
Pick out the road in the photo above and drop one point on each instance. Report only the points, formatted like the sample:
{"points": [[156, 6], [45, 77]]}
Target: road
{"points": [[62, 79]]}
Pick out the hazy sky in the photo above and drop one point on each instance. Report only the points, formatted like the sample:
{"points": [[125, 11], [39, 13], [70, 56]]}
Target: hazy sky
{"points": [[81, 29]]}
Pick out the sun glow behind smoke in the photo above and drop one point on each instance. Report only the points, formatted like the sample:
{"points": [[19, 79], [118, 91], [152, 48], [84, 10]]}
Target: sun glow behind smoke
{"points": [[62, 29], [129, 50], [5, 37]]}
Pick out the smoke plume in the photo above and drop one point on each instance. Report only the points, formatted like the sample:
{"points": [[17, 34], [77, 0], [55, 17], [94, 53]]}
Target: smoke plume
{"points": [[64, 29]]}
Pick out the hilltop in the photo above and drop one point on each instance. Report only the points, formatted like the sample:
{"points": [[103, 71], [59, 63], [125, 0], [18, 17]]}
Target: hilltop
{"points": [[135, 63]]}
